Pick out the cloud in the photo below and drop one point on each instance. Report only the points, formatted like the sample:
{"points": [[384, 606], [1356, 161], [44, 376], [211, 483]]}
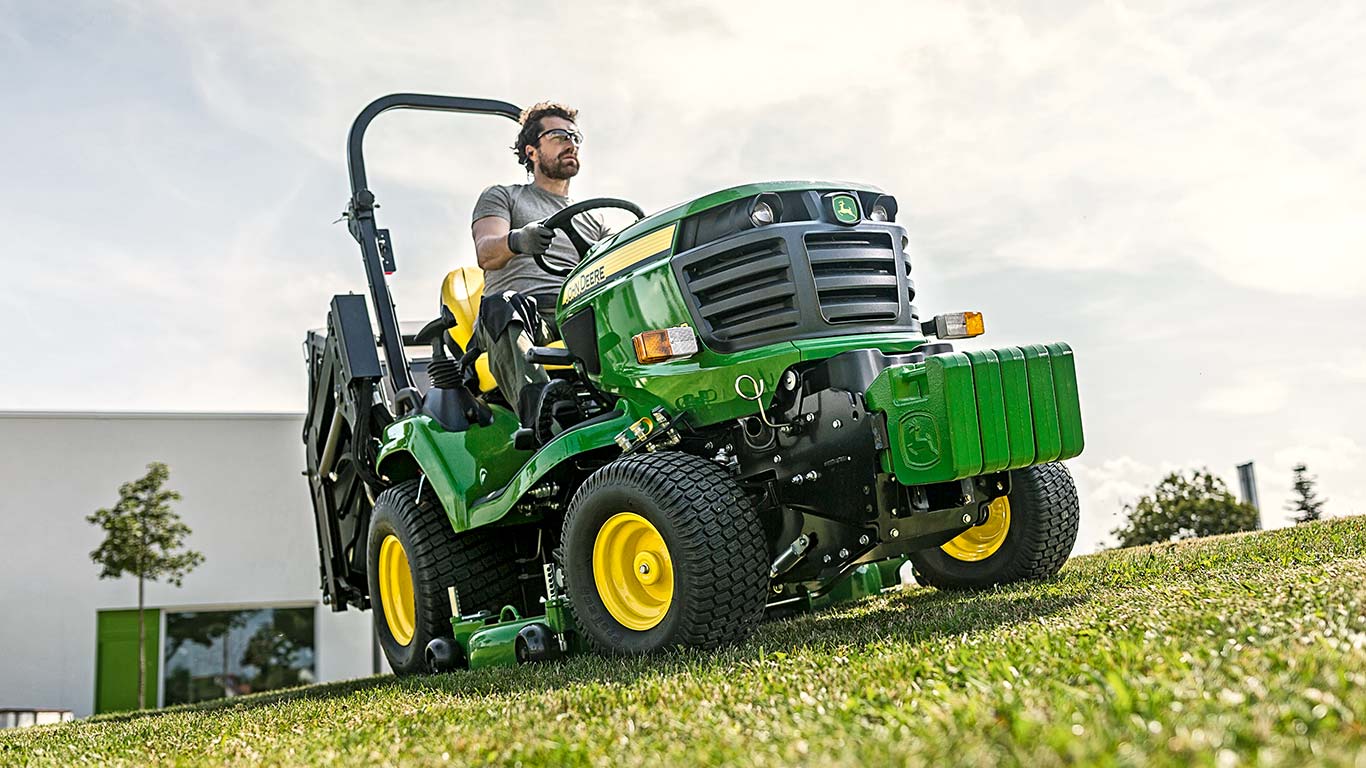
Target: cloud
{"points": [[1253, 396], [1334, 453]]}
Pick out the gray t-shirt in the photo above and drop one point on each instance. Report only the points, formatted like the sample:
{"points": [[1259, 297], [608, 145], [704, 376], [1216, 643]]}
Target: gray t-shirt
{"points": [[519, 205]]}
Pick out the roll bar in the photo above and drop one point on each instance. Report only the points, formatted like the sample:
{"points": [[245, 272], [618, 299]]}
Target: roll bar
{"points": [[360, 210]]}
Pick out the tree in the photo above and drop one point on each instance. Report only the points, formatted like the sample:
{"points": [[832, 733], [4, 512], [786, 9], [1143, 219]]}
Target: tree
{"points": [[144, 538], [1182, 508], [1307, 503]]}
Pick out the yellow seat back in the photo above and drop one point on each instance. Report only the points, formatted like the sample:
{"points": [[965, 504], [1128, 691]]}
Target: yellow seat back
{"points": [[461, 292]]}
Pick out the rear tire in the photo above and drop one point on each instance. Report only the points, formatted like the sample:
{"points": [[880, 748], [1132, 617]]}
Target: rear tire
{"points": [[475, 563], [1043, 519], [673, 544]]}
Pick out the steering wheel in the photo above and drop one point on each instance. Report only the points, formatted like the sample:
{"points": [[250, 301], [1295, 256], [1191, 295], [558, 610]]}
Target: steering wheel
{"points": [[563, 221]]}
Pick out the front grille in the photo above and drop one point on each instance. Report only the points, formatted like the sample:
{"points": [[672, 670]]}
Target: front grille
{"points": [[797, 280], [743, 293], [856, 276]]}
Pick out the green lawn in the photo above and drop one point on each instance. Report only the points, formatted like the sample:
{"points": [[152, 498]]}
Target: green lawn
{"points": [[1240, 650]]}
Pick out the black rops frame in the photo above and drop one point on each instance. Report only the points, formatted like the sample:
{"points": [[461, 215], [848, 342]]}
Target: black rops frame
{"points": [[361, 210]]}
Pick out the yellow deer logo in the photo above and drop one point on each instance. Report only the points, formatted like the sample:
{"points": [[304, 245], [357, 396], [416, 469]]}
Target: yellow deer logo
{"points": [[845, 210]]}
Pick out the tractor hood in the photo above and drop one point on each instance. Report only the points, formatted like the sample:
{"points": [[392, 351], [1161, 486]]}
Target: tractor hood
{"points": [[720, 216], [683, 210]]}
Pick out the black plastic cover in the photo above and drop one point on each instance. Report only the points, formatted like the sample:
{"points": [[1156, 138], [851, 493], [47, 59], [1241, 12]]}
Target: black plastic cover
{"points": [[580, 334], [799, 280]]}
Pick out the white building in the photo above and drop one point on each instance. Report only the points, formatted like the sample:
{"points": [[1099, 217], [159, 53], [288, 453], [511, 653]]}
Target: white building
{"points": [[68, 638]]}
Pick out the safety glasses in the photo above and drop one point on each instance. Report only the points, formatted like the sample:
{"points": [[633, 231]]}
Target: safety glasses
{"points": [[563, 134]]}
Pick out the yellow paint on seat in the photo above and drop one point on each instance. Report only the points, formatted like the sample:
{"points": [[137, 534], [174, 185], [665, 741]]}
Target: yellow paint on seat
{"points": [[461, 292]]}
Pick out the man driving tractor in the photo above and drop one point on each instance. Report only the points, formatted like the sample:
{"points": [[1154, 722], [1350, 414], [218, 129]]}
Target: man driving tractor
{"points": [[752, 415], [518, 306]]}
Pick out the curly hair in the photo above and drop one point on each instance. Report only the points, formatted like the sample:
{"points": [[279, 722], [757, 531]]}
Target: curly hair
{"points": [[531, 126]]}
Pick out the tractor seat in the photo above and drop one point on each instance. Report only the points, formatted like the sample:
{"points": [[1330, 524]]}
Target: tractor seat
{"points": [[461, 292]]}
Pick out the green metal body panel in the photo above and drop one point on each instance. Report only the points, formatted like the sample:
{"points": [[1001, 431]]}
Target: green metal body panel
{"points": [[461, 467], [889, 343], [565, 446], [477, 474], [702, 385], [960, 415]]}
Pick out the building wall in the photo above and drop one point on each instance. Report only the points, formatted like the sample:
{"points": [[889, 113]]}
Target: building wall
{"points": [[243, 496]]}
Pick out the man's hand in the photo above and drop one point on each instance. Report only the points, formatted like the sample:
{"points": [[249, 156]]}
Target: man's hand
{"points": [[531, 240]]}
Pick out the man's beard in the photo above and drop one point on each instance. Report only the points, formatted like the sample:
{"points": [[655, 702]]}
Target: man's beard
{"points": [[558, 168]]}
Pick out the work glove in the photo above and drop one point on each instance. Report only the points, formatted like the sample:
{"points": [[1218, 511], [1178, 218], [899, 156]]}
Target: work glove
{"points": [[531, 240]]}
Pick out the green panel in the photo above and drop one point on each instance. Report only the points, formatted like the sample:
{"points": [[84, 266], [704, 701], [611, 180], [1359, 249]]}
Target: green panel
{"points": [[460, 466], [702, 385], [1043, 403], [991, 410], [1019, 416], [477, 473], [116, 659], [1069, 403]]}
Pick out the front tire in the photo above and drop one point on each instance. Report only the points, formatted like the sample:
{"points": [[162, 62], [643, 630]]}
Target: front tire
{"points": [[663, 549], [1027, 536], [413, 555]]}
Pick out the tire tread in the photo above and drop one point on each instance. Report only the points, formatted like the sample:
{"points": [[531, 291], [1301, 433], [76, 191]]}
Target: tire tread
{"points": [[720, 535]]}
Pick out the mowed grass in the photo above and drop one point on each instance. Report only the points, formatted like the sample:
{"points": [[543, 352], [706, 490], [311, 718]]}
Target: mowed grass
{"points": [[1241, 650]]}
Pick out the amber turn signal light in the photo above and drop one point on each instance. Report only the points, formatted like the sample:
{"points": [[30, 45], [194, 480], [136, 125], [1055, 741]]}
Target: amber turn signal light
{"points": [[665, 344], [957, 325]]}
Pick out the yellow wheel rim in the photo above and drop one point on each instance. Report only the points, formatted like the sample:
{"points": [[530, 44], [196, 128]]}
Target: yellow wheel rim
{"points": [[396, 590], [632, 569], [981, 541]]}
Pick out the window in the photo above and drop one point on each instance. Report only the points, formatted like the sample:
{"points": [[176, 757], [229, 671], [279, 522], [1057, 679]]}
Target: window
{"points": [[213, 654]]}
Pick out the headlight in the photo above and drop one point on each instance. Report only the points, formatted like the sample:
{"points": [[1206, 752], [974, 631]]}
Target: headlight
{"points": [[884, 209], [766, 209]]}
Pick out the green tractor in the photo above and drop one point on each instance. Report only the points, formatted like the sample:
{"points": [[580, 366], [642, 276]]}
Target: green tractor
{"points": [[761, 422]]}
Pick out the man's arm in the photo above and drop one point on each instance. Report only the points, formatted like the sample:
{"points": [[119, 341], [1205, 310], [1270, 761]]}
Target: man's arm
{"points": [[491, 243], [495, 243]]}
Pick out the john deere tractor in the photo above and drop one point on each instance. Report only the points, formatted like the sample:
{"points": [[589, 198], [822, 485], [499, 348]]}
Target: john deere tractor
{"points": [[760, 421]]}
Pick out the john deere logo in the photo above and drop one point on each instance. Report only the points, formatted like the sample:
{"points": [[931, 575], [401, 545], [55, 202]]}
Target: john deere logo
{"points": [[846, 209], [920, 440]]}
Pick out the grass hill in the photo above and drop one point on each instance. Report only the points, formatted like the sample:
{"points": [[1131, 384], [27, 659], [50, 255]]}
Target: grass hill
{"points": [[1247, 649]]}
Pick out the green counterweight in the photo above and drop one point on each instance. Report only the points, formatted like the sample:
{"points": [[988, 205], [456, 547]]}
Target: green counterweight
{"points": [[959, 415]]}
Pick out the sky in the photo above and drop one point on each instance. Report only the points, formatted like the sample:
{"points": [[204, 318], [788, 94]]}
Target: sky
{"points": [[1178, 190]]}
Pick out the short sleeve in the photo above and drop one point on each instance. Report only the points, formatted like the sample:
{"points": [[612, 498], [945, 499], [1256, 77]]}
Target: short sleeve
{"points": [[494, 201]]}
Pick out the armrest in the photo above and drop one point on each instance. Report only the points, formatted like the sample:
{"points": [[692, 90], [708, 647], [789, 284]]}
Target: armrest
{"points": [[550, 356]]}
